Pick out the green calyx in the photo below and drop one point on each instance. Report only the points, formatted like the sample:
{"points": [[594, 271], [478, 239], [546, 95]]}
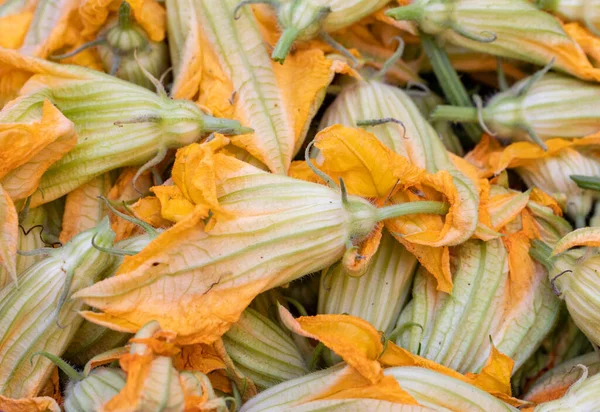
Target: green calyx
{"points": [[412, 12], [548, 5], [284, 44], [587, 182], [64, 366]]}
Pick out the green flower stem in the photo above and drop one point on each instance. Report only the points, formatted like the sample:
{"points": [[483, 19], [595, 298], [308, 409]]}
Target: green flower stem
{"points": [[542, 253], [224, 126], [453, 89], [411, 208], [412, 12], [454, 114], [587, 182], [64, 366], [284, 44]]}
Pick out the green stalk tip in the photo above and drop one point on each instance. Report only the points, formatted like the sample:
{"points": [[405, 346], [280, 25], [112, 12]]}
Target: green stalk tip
{"points": [[64, 366], [411, 208], [454, 114], [124, 15], [542, 253], [452, 87], [224, 126], [412, 12], [587, 182], [284, 44]]}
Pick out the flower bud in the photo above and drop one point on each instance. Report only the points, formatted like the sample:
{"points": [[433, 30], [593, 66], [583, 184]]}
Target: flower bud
{"points": [[581, 396], [305, 20], [118, 123], [94, 390], [38, 315], [376, 296], [554, 383], [454, 330], [127, 51], [262, 351], [553, 106], [530, 34], [441, 392]]}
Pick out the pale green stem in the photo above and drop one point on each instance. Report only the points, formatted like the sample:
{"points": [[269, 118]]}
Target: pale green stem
{"points": [[412, 12], [454, 114], [449, 81], [411, 208], [64, 366], [284, 44]]}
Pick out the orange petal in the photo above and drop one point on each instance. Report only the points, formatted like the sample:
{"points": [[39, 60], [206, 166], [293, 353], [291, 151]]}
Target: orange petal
{"points": [[14, 29], [173, 204], [587, 236], [195, 175], [147, 13], [9, 237], [353, 385], [29, 149], [544, 199], [368, 167], [495, 375], [83, 208], [149, 210], [124, 191], [352, 338], [38, 404], [588, 42]]}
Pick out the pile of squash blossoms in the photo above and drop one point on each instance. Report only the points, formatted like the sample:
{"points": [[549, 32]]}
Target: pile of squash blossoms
{"points": [[299, 205]]}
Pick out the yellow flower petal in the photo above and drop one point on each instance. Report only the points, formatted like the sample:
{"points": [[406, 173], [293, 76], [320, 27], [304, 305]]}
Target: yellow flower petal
{"points": [[149, 209], [352, 385], [173, 204], [14, 28], [352, 338], [83, 208], [9, 237], [38, 404], [124, 191], [588, 236], [29, 149], [277, 110], [495, 375], [147, 13]]}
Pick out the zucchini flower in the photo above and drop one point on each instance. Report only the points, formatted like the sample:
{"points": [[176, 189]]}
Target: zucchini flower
{"points": [[396, 121], [83, 210], [436, 391], [574, 277], [556, 382], [152, 381], [535, 109], [225, 205], [91, 339], [530, 34], [305, 20], [581, 396], [376, 296], [583, 11], [564, 343], [9, 237], [225, 61], [551, 170], [126, 51], [262, 351], [126, 125], [90, 390], [368, 373], [499, 292], [38, 314]]}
